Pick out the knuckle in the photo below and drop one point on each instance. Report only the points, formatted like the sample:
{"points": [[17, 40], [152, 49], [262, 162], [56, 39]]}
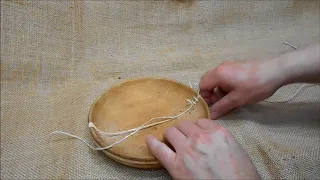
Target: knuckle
{"points": [[199, 135], [225, 132], [221, 67], [202, 137], [203, 121], [162, 151]]}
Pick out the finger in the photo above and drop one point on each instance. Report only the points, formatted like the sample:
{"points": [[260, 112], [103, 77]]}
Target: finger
{"points": [[208, 81], [205, 93], [161, 151], [208, 100], [227, 103], [187, 128], [175, 138], [219, 93], [210, 97], [208, 85], [207, 124]]}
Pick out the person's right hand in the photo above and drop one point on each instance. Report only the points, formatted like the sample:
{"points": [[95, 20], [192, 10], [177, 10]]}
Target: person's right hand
{"points": [[239, 83]]}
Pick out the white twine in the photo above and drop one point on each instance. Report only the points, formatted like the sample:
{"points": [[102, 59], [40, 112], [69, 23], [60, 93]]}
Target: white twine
{"points": [[294, 95], [76, 137], [286, 43], [133, 131]]}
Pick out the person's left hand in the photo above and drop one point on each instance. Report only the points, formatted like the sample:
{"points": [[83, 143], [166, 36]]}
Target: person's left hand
{"points": [[202, 150]]}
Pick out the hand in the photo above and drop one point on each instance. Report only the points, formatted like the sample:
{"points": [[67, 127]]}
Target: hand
{"points": [[202, 150], [233, 84]]}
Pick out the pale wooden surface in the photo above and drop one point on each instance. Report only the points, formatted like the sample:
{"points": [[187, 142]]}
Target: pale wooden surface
{"points": [[132, 103]]}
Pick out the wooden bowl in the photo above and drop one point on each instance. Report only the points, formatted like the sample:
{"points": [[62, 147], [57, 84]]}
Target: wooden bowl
{"points": [[132, 103]]}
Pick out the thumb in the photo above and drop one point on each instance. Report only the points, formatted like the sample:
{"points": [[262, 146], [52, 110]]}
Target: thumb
{"points": [[208, 81], [226, 104]]}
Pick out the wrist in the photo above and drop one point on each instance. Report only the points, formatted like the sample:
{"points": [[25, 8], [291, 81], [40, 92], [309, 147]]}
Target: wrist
{"points": [[274, 72], [299, 66], [282, 67]]}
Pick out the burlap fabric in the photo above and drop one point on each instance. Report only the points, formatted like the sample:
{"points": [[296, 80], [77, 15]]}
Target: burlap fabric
{"points": [[58, 56]]}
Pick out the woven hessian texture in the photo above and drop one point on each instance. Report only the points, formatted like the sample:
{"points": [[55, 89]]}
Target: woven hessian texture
{"points": [[58, 56]]}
